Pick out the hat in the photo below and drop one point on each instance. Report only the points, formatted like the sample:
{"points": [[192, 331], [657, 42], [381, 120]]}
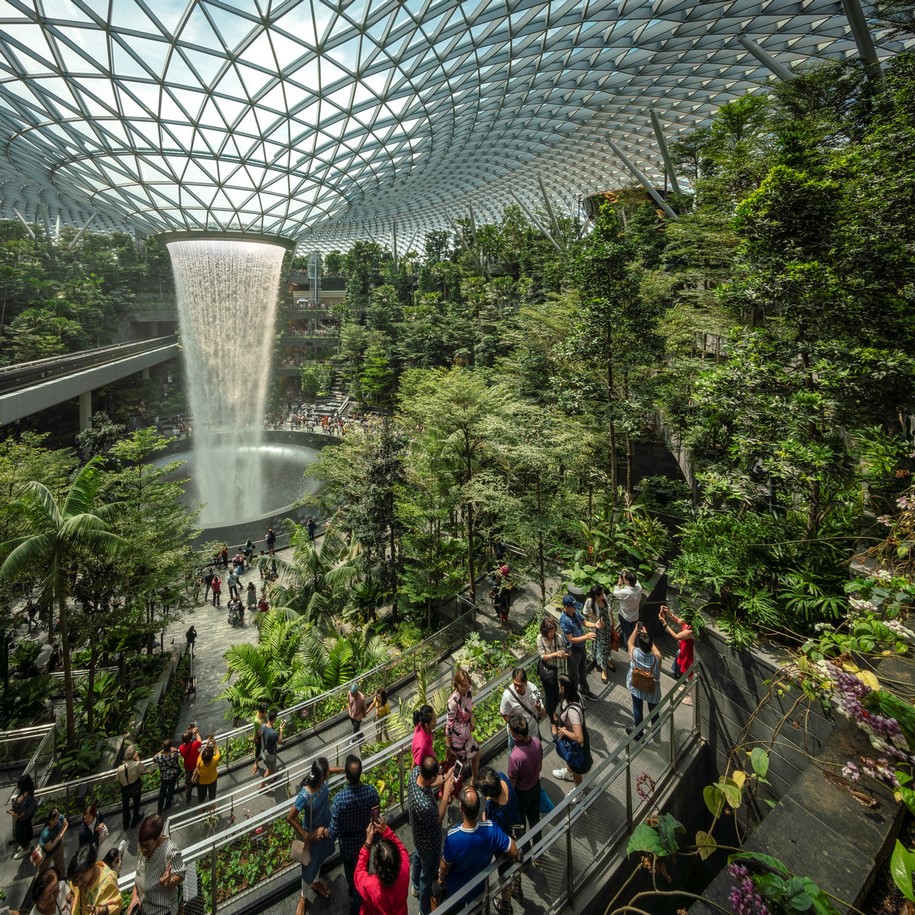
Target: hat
{"points": [[504, 570], [354, 688], [568, 601]]}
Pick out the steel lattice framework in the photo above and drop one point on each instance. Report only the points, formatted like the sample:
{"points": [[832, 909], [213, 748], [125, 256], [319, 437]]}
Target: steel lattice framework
{"points": [[327, 120]]}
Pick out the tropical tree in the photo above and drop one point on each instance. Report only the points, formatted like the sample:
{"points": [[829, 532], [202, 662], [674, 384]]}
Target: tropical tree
{"points": [[60, 535]]}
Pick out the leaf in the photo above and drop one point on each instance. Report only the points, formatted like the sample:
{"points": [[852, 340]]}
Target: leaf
{"points": [[669, 826], [759, 759], [868, 679], [761, 862], [705, 844], [902, 864], [714, 799], [906, 796], [645, 838], [740, 778], [731, 791]]}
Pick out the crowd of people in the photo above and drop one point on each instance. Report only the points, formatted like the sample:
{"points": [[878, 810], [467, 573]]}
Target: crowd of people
{"points": [[495, 807], [88, 884]]}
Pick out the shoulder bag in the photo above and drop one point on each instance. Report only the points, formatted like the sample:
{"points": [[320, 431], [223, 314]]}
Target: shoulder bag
{"points": [[570, 750], [643, 680], [299, 851]]}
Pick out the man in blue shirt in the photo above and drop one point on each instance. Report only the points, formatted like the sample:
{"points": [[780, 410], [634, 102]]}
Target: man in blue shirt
{"points": [[350, 815], [573, 624], [469, 849]]}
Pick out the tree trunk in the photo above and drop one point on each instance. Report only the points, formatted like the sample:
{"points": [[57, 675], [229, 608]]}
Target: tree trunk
{"points": [[90, 688], [68, 671], [630, 461], [540, 557], [471, 561]]}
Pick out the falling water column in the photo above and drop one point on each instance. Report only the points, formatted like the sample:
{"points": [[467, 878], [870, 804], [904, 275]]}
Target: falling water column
{"points": [[227, 289]]}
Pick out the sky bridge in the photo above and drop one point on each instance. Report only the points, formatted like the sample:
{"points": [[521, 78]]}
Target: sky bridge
{"points": [[30, 387]]}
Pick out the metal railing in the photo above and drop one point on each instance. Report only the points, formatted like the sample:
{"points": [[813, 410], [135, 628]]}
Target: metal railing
{"points": [[237, 861], [24, 374], [579, 839], [572, 844], [320, 708]]}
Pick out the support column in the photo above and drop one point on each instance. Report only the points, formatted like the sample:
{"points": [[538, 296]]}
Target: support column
{"points": [[643, 180], [866, 50], [665, 153], [536, 222], [145, 374], [766, 59], [85, 411]]}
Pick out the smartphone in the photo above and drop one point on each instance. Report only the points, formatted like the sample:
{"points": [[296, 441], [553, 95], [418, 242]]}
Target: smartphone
{"points": [[458, 769], [376, 814]]}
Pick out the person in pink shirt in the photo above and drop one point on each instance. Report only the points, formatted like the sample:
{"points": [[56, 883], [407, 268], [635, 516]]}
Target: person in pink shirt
{"points": [[424, 722], [356, 708], [385, 891]]}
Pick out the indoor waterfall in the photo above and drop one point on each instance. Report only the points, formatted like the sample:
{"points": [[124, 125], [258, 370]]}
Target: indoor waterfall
{"points": [[227, 297]]}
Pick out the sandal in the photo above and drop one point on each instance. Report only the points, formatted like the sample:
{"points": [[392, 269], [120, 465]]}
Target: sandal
{"points": [[321, 889]]}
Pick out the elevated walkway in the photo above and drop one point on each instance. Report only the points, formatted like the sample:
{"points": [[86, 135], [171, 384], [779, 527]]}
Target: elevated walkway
{"points": [[30, 387]]}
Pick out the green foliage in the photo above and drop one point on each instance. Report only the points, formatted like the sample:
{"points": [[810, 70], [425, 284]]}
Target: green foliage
{"points": [[660, 840], [315, 379], [777, 885]]}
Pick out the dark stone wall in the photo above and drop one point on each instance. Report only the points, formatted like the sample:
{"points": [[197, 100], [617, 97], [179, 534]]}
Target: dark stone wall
{"points": [[734, 686]]}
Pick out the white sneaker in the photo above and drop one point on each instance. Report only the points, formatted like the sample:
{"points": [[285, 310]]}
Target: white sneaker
{"points": [[563, 775], [21, 853]]}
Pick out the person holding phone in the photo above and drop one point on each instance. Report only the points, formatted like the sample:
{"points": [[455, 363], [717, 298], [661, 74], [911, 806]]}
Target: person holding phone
{"points": [[385, 891], [350, 815], [503, 810], [426, 816], [644, 676], [459, 726]]}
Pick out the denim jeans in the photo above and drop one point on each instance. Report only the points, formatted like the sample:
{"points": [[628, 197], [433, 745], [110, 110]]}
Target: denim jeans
{"points": [[423, 873], [625, 631], [638, 713], [349, 871], [166, 794]]}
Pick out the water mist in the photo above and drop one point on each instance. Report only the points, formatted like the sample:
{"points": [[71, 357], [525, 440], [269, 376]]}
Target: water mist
{"points": [[227, 293]]}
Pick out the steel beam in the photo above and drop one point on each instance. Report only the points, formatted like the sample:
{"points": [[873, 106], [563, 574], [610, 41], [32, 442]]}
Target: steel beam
{"points": [[643, 180], [549, 207], [863, 40], [766, 59], [665, 152], [536, 222]]}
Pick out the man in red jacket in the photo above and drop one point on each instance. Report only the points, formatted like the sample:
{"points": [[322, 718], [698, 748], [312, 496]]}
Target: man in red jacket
{"points": [[385, 891]]}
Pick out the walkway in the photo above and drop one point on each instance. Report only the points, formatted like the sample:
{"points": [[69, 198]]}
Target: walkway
{"points": [[215, 635], [33, 386]]}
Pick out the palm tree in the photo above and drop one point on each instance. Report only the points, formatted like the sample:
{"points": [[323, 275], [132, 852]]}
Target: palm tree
{"points": [[273, 670], [317, 580], [58, 536]]}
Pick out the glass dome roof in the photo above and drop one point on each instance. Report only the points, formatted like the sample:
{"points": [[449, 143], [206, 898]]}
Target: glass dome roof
{"points": [[328, 120]]}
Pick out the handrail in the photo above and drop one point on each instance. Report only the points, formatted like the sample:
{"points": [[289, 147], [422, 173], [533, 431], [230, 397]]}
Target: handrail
{"points": [[395, 750], [556, 825], [553, 828], [291, 772], [246, 729]]}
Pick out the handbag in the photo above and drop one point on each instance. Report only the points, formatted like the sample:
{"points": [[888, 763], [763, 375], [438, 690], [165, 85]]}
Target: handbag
{"points": [[571, 751], [195, 777], [299, 851], [643, 680], [547, 673], [546, 802]]}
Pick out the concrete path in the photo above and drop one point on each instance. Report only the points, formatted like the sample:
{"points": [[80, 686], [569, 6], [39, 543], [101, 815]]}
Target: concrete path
{"points": [[214, 636]]}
